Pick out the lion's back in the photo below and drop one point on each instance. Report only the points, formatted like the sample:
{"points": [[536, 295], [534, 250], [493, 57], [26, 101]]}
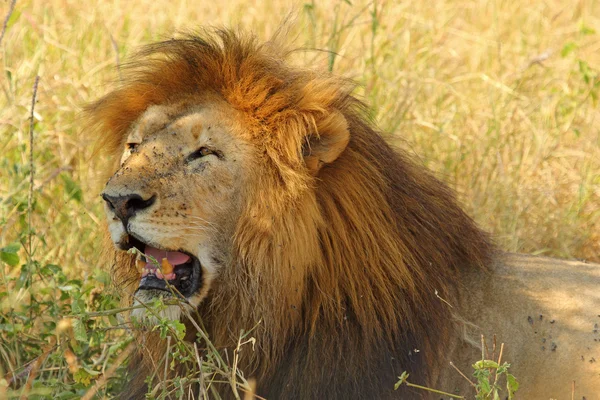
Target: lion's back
{"points": [[547, 313]]}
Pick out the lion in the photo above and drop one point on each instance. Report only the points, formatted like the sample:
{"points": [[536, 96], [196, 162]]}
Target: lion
{"points": [[274, 203]]}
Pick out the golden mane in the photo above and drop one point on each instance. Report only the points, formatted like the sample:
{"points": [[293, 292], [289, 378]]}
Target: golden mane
{"points": [[345, 266]]}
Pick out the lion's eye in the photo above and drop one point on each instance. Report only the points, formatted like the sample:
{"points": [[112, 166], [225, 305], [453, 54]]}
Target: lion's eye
{"points": [[131, 146], [201, 152]]}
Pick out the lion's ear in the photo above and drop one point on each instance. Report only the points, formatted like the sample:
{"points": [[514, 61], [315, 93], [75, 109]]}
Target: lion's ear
{"points": [[327, 143]]}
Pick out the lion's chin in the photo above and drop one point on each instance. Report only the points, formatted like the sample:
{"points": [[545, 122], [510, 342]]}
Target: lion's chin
{"points": [[147, 313]]}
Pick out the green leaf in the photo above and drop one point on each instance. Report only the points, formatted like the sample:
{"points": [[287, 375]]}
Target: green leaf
{"points": [[113, 320], [586, 30], [485, 387], [10, 258], [13, 18], [179, 329], [66, 395], [73, 284], [72, 188], [79, 330], [12, 328], [502, 369], [50, 270], [511, 385], [82, 376], [585, 70], [485, 364], [9, 254], [568, 49], [78, 306], [401, 379], [11, 248]]}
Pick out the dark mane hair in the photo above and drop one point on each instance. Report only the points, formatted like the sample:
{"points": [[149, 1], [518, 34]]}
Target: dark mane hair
{"points": [[345, 268]]}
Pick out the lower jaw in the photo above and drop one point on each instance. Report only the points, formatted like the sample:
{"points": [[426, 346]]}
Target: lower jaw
{"points": [[146, 312], [177, 287]]}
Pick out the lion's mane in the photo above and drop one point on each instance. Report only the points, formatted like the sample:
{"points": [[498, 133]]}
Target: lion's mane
{"points": [[344, 269]]}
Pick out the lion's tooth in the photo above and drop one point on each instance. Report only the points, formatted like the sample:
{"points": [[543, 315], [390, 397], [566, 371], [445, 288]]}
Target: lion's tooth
{"points": [[166, 266]]}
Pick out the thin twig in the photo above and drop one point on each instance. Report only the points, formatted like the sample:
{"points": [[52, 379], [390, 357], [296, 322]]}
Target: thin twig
{"points": [[251, 393], [116, 47], [454, 396], [50, 177], [442, 299], [463, 375], [494, 348], [485, 348], [482, 348], [117, 310], [109, 374], [203, 393], [36, 366], [31, 169], [8, 15], [499, 361], [166, 363], [13, 377]]}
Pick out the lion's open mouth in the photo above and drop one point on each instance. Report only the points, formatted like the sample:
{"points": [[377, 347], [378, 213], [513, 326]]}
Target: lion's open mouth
{"points": [[171, 271]]}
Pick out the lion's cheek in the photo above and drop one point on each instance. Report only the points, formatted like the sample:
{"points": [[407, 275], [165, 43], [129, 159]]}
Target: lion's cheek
{"points": [[117, 231]]}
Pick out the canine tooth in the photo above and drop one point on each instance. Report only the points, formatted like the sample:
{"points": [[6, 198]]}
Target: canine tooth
{"points": [[166, 267]]}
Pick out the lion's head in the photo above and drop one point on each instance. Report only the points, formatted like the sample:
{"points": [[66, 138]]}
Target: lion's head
{"points": [[178, 195], [274, 200]]}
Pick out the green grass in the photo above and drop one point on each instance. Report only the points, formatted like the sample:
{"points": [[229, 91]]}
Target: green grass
{"points": [[500, 99]]}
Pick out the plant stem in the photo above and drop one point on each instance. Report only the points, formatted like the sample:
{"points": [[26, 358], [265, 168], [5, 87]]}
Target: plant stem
{"points": [[31, 168], [455, 396]]}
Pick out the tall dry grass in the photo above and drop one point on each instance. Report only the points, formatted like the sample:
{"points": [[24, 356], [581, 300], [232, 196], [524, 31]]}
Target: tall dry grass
{"points": [[499, 98]]}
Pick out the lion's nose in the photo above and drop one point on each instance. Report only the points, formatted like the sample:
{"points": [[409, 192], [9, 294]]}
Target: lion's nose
{"points": [[127, 206]]}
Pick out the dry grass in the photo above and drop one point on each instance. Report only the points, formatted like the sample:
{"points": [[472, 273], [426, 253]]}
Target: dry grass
{"points": [[498, 97], [480, 91]]}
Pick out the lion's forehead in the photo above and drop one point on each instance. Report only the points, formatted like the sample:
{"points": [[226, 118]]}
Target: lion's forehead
{"points": [[175, 125], [165, 135], [182, 123]]}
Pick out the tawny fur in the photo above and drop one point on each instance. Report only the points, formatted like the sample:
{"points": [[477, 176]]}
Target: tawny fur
{"points": [[343, 251]]}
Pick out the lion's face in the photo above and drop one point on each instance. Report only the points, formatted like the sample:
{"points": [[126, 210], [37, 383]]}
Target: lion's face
{"points": [[177, 196]]}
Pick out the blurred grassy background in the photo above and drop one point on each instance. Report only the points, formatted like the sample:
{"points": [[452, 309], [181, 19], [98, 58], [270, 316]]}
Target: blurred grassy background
{"points": [[499, 98]]}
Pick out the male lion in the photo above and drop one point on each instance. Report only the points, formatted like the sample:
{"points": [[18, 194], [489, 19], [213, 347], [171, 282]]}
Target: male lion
{"points": [[278, 206]]}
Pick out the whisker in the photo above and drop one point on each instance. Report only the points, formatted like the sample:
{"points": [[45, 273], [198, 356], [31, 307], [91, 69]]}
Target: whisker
{"points": [[200, 218]]}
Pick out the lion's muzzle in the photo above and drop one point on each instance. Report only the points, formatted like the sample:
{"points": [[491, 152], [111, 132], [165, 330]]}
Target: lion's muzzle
{"points": [[127, 206]]}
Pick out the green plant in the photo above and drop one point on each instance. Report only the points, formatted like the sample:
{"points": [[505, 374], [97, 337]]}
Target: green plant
{"points": [[488, 376]]}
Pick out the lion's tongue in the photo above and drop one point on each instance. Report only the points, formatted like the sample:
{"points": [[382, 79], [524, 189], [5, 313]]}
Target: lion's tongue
{"points": [[174, 257]]}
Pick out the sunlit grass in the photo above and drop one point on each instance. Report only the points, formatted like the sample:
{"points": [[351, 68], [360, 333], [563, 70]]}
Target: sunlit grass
{"points": [[499, 98]]}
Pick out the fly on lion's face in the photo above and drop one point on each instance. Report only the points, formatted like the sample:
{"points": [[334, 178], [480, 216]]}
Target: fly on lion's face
{"points": [[170, 156]]}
